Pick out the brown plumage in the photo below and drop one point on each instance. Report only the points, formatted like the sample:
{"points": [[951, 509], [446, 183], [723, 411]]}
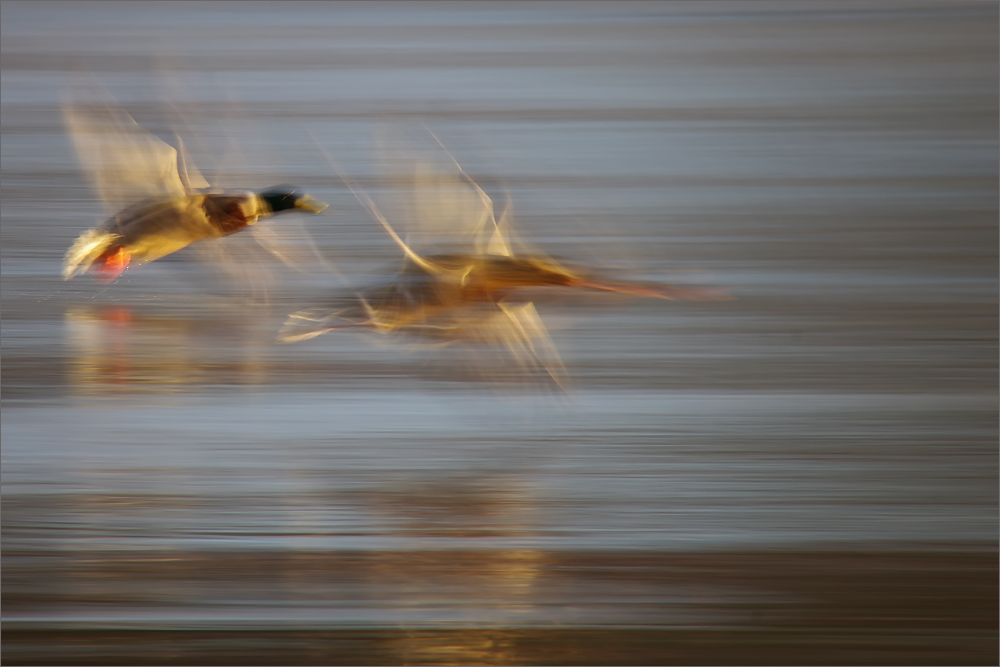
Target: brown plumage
{"points": [[482, 295]]}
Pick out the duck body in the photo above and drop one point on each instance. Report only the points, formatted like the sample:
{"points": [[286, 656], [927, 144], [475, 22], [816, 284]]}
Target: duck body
{"points": [[439, 286], [442, 293], [157, 227], [452, 281]]}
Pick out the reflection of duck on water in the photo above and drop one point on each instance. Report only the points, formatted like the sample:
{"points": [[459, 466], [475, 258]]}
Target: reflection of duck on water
{"points": [[163, 203], [478, 295], [136, 350]]}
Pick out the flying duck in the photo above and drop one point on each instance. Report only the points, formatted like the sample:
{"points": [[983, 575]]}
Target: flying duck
{"points": [[479, 294], [163, 203]]}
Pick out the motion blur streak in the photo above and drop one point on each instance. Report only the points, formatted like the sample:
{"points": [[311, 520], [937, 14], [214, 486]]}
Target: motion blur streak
{"points": [[806, 473], [476, 290]]}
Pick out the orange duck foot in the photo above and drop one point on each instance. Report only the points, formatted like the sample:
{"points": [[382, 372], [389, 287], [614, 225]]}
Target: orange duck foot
{"points": [[112, 265]]}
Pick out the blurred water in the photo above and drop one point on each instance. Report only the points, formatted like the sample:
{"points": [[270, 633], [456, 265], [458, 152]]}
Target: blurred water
{"points": [[833, 165]]}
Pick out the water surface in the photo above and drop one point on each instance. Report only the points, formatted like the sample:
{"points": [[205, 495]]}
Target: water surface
{"points": [[167, 465]]}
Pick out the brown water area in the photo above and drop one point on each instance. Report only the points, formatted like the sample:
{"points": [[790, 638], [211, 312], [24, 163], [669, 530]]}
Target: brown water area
{"points": [[802, 472]]}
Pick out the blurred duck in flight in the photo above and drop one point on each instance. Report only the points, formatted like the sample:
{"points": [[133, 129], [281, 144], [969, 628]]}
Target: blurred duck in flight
{"points": [[480, 293], [163, 203]]}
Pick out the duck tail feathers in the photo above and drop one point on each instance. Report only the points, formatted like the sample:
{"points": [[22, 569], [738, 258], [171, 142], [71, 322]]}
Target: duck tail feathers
{"points": [[85, 250]]}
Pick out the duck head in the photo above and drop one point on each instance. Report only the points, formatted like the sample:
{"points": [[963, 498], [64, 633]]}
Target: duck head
{"points": [[286, 197]]}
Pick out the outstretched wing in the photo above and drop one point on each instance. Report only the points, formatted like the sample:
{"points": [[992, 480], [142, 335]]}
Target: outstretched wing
{"points": [[447, 212], [434, 204], [124, 162], [191, 178], [518, 328]]}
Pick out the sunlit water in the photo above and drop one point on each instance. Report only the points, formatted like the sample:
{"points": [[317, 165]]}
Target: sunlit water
{"points": [[834, 167]]}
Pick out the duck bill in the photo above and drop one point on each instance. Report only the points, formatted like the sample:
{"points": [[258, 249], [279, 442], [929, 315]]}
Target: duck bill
{"points": [[668, 292], [311, 204]]}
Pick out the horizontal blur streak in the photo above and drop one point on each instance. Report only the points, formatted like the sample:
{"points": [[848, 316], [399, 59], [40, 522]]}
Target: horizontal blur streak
{"points": [[515, 607], [805, 473]]}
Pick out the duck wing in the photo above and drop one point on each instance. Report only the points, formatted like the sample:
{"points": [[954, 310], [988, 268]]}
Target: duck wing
{"points": [[432, 201], [447, 212], [124, 162], [518, 328], [451, 204], [190, 177]]}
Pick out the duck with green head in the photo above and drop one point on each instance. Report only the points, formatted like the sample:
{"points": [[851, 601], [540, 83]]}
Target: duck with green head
{"points": [[163, 204]]}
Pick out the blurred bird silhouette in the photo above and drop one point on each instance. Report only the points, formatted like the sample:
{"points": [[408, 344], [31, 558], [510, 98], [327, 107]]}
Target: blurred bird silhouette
{"points": [[163, 202], [481, 294]]}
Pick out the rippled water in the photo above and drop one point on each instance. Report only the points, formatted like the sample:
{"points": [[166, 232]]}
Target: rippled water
{"points": [[167, 464]]}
